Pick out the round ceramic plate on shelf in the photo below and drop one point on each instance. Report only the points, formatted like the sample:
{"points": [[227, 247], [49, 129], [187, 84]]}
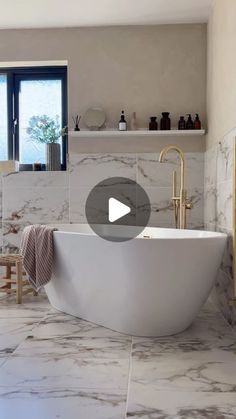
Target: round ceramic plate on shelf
{"points": [[94, 118]]}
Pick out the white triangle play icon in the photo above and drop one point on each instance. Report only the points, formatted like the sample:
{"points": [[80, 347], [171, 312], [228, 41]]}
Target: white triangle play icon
{"points": [[117, 210]]}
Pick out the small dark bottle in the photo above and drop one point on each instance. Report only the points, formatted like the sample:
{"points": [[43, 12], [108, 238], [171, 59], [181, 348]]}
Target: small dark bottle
{"points": [[189, 123], [122, 122], [182, 123], [153, 125], [37, 167], [165, 121], [197, 122]]}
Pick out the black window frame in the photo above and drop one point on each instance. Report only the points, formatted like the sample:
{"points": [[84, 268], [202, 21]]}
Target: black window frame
{"points": [[14, 76]]}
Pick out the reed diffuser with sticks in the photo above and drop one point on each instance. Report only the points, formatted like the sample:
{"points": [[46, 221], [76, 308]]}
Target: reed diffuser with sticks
{"points": [[76, 121]]}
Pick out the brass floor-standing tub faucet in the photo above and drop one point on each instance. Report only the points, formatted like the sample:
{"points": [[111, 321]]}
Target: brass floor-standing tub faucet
{"points": [[181, 202]]}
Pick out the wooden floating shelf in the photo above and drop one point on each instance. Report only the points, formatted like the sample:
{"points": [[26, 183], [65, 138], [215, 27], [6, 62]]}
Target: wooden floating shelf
{"points": [[139, 133]]}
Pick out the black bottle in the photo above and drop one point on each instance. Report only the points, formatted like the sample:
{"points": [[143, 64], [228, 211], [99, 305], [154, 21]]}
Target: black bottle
{"points": [[153, 125], [197, 122], [122, 123], [182, 123], [189, 123], [165, 121]]}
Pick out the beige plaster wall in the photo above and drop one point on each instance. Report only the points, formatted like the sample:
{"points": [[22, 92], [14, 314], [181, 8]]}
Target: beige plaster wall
{"points": [[221, 73], [147, 69]]}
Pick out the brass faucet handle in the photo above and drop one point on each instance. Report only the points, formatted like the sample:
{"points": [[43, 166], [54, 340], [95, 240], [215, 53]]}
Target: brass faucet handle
{"points": [[188, 205]]}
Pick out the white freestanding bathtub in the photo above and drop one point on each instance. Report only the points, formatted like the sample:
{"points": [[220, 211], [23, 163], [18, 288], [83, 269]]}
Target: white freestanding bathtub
{"points": [[151, 286]]}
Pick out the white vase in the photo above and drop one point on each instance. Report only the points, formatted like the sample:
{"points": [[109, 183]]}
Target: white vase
{"points": [[133, 122]]}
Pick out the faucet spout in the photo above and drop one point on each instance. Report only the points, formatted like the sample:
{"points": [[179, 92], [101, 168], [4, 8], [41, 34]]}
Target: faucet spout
{"points": [[180, 153]]}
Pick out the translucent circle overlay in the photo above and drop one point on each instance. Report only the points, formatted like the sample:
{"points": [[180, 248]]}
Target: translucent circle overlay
{"points": [[129, 193]]}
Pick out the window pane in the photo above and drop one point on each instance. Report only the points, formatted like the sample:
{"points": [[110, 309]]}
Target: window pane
{"points": [[3, 118], [37, 98]]}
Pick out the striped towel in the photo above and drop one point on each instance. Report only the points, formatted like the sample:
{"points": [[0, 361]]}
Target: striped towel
{"points": [[37, 251]]}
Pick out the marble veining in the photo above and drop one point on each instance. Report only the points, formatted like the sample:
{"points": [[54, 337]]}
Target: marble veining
{"points": [[60, 197], [89, 169], [86, 170], [44, 204], [64, 367], [152, 173], [218, 214]]}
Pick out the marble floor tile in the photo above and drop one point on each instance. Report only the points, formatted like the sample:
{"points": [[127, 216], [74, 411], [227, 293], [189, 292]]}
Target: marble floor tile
{"points": [[13, 331], [204, 371], [64, 403], [32, 307], [207, 333], [77, 347], [57, 324], [68, 368], [145, 402], [60, 372]]}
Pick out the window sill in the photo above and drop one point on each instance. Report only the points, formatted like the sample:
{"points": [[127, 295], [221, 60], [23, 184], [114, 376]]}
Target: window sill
{"points": [[29, 168]]}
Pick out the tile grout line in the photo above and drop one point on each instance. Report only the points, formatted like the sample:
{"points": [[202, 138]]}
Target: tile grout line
{"points": [[23, 340], [129, 378]]}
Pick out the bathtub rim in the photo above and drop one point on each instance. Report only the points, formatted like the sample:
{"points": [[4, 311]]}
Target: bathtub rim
{"points": [[178, 234]]}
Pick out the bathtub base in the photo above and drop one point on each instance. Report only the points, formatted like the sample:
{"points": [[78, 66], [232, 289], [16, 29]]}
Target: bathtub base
{"points": [[141, 287]]}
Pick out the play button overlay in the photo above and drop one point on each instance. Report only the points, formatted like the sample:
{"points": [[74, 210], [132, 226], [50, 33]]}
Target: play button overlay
{"points": [[117, 209]]}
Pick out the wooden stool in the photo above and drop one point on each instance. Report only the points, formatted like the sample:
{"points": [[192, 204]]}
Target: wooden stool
{"points": [[22, 286]]}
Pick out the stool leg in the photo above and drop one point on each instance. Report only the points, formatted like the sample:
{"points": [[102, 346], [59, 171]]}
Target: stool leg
{"points": [[8, 276], [19, 282]]}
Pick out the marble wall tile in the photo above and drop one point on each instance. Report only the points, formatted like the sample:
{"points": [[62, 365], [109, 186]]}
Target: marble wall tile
{"points": [[210, 167], [78, 198], [36, 205], [11, 236], [225, 160], [127, 194], [55, 197], [77, 202], [152, 173], [195, 216], [162, 213], [225, 205], [161, 207], [210, 207], [218, 215], [223, 292], [227, 260], [89, 169], [36, 179]]}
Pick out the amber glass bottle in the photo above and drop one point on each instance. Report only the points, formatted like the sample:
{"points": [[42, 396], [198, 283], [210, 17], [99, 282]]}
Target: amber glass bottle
{"points": [[197, 122]]}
